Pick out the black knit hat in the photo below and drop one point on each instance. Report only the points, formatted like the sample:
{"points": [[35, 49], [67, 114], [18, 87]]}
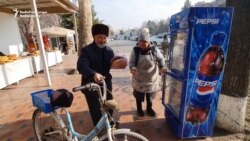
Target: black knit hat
{"points": [[100, 29]]}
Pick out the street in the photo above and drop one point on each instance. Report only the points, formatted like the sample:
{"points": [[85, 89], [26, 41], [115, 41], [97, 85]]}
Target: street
{"points": [[122, 46]]}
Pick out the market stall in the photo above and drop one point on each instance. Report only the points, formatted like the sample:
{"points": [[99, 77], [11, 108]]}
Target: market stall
{"points": [[56, 32], [11, 43], [53, 58], [14, 71]]}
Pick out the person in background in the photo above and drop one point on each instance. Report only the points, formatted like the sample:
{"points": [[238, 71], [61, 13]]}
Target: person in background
{"points": [[94, 64], [145, 72], [165, 45]]}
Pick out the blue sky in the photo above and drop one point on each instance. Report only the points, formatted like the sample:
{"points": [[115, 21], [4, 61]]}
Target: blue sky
{"points": [[124, 14]]}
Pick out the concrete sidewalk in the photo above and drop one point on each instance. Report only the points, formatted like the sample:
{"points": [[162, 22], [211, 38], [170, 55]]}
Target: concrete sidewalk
{"points": [[16, 107]]}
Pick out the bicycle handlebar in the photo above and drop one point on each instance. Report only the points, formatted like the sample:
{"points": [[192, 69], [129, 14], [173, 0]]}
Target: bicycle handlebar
{"points": [[86, 86], [94, 86]]}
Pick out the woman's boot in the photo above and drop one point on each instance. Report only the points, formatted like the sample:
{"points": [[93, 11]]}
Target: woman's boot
{"points": [[139, 108], [150, 111]]}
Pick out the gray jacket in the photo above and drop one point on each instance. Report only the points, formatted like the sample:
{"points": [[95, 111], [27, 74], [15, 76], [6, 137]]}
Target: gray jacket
{"points": [[147, 79]]}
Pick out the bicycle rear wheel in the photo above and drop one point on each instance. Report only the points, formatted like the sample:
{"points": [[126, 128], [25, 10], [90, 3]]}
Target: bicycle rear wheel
{"points": [[46, 128], [124, 135]]}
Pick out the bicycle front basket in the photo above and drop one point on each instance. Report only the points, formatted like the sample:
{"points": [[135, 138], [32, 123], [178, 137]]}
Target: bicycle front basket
{"points": [[41, 100]]}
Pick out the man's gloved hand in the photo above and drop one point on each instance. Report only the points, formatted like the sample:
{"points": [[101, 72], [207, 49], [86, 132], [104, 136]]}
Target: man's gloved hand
{"points": [[133, 70]]}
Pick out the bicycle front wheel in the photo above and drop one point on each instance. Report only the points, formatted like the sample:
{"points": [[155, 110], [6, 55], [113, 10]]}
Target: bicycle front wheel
{"points": [[46, 127], [124, 135]]}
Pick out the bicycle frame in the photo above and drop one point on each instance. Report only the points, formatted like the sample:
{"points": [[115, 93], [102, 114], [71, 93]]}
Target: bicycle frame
{"points": [[104, 121]]}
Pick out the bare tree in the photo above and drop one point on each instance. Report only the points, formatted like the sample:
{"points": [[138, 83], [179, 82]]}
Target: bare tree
{"points": [[187, 4], [236, 76], [26, 25], [85, 14]]}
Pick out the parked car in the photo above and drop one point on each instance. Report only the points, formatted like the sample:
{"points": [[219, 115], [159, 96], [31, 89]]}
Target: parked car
{"points": [[158, 39], [134, 38], [110, 39]]}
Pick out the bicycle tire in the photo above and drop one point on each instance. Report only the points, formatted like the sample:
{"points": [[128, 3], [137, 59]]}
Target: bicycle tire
{"points": [[124, 135], [46, 128]]}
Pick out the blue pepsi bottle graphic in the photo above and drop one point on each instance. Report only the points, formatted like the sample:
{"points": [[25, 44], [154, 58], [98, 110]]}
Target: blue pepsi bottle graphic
{"points": [[209, 70]]}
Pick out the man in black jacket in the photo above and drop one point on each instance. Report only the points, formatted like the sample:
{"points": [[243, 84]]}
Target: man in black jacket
{"points": [[94, 63]]}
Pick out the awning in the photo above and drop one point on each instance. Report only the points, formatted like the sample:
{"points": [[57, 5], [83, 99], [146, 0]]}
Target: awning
{"points": [[49, 6], [55, 31]]}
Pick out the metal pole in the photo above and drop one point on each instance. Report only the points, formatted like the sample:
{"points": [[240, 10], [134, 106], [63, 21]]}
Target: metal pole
{"points": [[40, 41], [76, 33]]}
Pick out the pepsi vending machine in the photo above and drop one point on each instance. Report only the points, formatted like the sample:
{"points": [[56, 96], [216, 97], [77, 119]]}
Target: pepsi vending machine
{"points": [[198, 52]]}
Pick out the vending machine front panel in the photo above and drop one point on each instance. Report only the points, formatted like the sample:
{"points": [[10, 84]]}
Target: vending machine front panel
{"points": [[198, 51]]}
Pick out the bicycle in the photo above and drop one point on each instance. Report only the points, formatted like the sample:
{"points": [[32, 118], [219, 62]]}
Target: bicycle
{"points": [[57, 129]]}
